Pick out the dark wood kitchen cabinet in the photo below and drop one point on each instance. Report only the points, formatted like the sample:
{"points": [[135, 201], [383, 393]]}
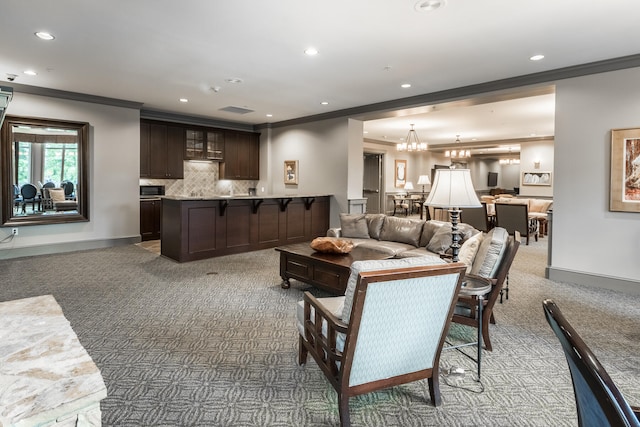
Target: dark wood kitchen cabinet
{"points": [[241, 156], [204, 145], [161, 150], [150, 219]]}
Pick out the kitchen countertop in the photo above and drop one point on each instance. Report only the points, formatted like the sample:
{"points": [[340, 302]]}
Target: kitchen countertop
{"points": [[245, 197]]}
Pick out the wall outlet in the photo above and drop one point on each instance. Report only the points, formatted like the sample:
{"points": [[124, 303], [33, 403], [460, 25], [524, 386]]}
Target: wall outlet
{"points": [[14, 231]]}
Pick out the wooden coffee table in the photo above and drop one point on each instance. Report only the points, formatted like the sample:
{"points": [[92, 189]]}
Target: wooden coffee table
{"points": [[329, 272]]}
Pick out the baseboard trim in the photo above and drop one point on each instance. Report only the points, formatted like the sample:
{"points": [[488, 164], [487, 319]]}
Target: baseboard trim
{"points": [[56, 248], [596, 281]]}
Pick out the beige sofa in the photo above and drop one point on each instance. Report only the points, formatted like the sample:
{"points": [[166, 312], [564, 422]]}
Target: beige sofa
{"points": [[404, 237]]}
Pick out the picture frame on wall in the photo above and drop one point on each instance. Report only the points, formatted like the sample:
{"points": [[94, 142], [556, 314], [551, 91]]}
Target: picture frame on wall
{"points": [[401, 173], [625, 170], [291, 172], [536, 178]]}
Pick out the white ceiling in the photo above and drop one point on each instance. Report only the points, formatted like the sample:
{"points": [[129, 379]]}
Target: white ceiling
{"points": [[157, 51]]}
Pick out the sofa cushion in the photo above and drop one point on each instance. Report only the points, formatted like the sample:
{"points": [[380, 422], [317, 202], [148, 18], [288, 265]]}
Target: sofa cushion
{"points": [[490, 253], [402, 230], [539, 205], [441, 240], [469, 249], [392, 249], [354, 225], [429, 229], [374, 222], [373, 265]]}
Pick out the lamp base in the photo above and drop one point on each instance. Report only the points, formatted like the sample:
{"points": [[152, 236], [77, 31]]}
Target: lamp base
{"points": [[454, 214]]}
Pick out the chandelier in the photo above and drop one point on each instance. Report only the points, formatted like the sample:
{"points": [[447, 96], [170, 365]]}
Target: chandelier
{"points": [[509, 161], [457, 154], [412, 143]]}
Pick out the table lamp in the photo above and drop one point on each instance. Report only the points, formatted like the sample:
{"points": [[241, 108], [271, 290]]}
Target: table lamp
{"points": [[453, 189], [423, 180], [408, 186]]}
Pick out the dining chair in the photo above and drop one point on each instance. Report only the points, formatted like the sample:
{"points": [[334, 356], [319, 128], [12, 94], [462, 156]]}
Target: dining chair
{"points": [[515, 217], [598, 401], [476, 217], [29, 194]]}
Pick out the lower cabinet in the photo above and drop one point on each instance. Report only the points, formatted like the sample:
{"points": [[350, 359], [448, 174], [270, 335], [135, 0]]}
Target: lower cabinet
{"points": [[150, 219], [199, 229]]}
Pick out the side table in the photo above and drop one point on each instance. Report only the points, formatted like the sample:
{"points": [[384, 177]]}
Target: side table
{"points": [[476, 287]]}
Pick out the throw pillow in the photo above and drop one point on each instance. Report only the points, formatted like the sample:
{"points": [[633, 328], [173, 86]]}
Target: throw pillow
{"points": [[429, 229], [441, 240], [354, 226], [373, 265], [469, 249], [490, 253], [375, 221], [402, 230]]}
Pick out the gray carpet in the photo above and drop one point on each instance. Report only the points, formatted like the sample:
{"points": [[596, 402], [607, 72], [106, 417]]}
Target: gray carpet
{"points": [[213, 343]]}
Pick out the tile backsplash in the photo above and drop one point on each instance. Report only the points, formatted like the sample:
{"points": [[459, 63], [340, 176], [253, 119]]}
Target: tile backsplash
{"points": [[201, 179]]}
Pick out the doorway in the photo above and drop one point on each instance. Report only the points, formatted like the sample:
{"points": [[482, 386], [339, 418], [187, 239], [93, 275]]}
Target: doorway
{"points": [[373, 180]]}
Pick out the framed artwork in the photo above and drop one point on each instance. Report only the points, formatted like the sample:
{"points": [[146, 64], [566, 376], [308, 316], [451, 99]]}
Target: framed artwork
{"points": [[536, 178], [625, 170], [291, 172], [401, 173]]}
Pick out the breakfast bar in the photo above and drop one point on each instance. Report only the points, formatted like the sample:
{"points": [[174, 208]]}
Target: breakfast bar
{"points": [[198, 228]]}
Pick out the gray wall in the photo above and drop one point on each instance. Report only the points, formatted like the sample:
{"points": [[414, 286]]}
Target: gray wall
{"points": [[114, 209], [590, 243]]}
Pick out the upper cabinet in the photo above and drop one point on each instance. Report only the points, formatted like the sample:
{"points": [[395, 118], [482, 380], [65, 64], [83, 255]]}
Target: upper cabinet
{"points": [[161, 150], [164, 146], [241, 156], [204, 145]]}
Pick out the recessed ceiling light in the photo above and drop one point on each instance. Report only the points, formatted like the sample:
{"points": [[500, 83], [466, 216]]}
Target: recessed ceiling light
{"points": [[324, 103], [233, 80], [30, 73], [184, 100], [44, 35], [405, 85], [311, 51], [537, 57], [429, 5], [269, 115]]}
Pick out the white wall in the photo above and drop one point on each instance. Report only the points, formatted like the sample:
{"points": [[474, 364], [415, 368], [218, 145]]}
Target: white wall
{"points": [[322, 151], [542, 151], [587, 238], [114, 168]]}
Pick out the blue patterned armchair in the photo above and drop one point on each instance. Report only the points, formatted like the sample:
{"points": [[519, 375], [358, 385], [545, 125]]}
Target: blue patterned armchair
{"points": [[387, 330]]}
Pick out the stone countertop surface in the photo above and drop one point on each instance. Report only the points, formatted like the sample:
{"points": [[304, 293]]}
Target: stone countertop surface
{"points": [[245, 197], [45, 372]]}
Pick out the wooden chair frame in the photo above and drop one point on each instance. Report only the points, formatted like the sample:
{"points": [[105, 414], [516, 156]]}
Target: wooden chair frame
{"points": [[471, 302], [337, 365], [597, 396]]}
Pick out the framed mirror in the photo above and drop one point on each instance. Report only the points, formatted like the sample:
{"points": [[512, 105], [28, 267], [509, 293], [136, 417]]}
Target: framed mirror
{"points": [[44, 171]]}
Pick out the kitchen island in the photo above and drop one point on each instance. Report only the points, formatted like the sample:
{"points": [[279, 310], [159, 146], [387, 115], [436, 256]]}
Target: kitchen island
{"points": [[197, 228]]}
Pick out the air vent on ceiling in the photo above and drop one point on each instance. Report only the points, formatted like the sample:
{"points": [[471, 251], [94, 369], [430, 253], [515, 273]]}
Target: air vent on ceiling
{"points": [[236, 110]]}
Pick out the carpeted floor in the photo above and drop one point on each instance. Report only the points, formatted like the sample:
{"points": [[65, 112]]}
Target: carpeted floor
{"points": [[214, 343]]}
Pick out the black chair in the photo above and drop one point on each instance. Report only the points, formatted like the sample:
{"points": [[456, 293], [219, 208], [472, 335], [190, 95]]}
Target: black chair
{"points": [[476, 217], [515, 217], [29, 194], [68, 190], [49, 184], [598, 400]]}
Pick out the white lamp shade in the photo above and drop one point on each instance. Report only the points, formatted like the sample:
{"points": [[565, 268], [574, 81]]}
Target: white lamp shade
{"points": [[424, 180], [452, 188], [408, 185]]}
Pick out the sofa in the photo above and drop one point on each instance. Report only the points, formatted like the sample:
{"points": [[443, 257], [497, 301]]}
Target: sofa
{"points": [[405, 237]]}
